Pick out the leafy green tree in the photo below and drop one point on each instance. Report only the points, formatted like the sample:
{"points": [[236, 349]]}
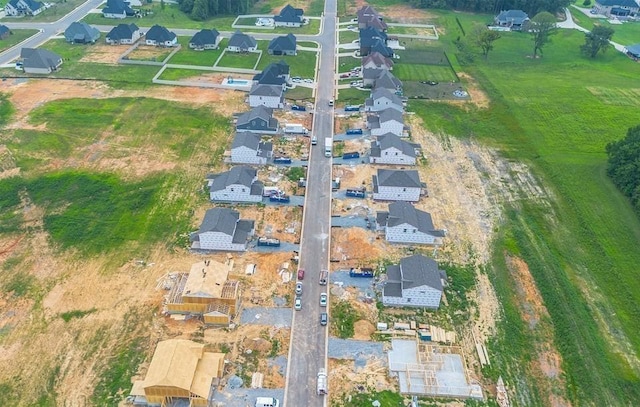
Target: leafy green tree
{"points": [[541, 27], [624, 165], [484, 38], [186, 6], [200, 10], [597, 40]]}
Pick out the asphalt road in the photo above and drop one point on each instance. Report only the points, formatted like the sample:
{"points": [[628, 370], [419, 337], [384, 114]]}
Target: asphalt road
{"points": [[308, 350]]}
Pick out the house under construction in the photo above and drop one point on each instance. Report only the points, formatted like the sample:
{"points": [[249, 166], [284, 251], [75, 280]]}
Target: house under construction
{"points": [[181, 373], [205, 291]]}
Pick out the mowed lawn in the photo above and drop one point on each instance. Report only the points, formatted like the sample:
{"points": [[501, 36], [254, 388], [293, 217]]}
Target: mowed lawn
{"points": [[187, 56], [412, 72], [246, 60], [558, 113], [16, 37], [303, 64]]}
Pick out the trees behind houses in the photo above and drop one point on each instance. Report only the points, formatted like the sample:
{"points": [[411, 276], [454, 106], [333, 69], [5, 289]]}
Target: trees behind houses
{"points": [[491, 6], [204, 9], [541, 28], [624, 165], [597, 41]]}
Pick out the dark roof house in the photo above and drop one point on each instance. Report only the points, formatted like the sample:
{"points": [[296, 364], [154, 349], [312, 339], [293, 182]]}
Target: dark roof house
{"points": [[123, 33], [289, 16], [283, 45], [204, 39], [512, 18], [241, 42], [159, 35], [117, 8], [258, 119], [36, 60], [81, 33], [4, 32]]}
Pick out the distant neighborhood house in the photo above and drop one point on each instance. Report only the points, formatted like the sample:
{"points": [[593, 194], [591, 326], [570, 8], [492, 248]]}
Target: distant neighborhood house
{"points": [[271, 96], [283, 45], [386, 121], [39, 61], [617, 8], [24, 8], [381, 99], [118, 9], [289, 17], [240, 42], [81, 33], [205, 39], [391, 149], [248, 148], [222, 229], [415, 282], [367, 16], [276, 73], [397, 185], [239, 184], [376, 60], [258, 120], [160, 37], [633, 51], [513, 19], [123, 34], [404, 223], [5, 32]]}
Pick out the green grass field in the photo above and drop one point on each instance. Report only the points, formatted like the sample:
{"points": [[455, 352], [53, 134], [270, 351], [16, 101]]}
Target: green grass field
{"points": [[414, 72], [303, 64], [626, 34], [16, 37], [187, 56], [557, 113], [59, 9], [348, 36], [299, 93], [239, 60]]}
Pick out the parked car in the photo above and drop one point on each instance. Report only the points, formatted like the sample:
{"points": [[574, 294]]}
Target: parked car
{"points": [[298, 288], [324, 318], [345, 75], [323, 299], [298, 108], [300, 274], [298, 304]]}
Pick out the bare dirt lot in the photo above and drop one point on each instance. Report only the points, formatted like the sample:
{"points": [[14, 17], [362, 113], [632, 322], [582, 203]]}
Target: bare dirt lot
{"points": [[149, 53], [104, 53]]}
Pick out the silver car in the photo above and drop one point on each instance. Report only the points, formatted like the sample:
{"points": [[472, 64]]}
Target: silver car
{"points": [[298, 288], [297, 304]]}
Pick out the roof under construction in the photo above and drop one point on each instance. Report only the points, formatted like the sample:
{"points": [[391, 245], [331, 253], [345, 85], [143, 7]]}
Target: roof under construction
{"points": [[206, 279]]}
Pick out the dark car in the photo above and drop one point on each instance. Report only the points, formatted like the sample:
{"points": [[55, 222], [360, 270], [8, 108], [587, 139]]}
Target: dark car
{"points": [[298, 108], [323, 319]]}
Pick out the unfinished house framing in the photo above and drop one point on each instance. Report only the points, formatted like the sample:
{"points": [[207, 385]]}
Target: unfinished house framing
{"points": [[425, 368], [205, 292], [181, 374]]}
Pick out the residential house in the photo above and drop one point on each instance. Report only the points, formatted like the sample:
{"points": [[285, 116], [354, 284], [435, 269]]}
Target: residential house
{"points": [[397, 185], [617, 8], [123, 34], [388, 81], [5, 32], [376, 60], [81, 33], [160, 37], [117, 9], [289, 17], [266, 95], [206, 292], [514, 19], [258, 120], [283, 45], [415, 282], [24, 8], [180, 372], [386, 121], [368, 17], [248, 148], [391, 149], [276, 73], [240, 42], [381, 99], [205, 39], [239, 184], [222, 229], [404, 223], [39, 61], [372, 40]]}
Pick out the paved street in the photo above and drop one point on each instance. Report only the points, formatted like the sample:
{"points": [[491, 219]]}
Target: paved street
{"points": [[308, 350]]}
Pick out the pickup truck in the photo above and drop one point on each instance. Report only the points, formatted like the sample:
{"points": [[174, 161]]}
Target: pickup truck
{"points": [[299, 108], [280, 198], [282, 160], [354, 131]]}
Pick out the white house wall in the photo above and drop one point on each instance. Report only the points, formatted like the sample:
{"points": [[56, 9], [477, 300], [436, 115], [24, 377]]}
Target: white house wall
{"points": [[423, 296], [397, 194], [219, 241], [235, 192], [268, 101], [393, 156], [246, 155], [406, 233]]}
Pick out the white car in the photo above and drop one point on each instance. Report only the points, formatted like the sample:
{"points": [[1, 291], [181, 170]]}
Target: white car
{"points": [[298, 304], [323, 299]]}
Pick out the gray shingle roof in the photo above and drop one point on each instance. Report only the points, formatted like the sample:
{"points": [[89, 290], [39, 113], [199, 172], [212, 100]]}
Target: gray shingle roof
{"points": [[390, 140], [617, 3], [398, 178], [265, 149], [366, 12], [259, 89], [259, 112], [241, 175], [122, 31], [240, 40], [387, 80], [378, 59], [219, 220], [205, 37], [4, 30], [244, 227], [289, 14], [513, 16], [39, 58], [117, 7], [418, 270], [369, 35], [386, 93], [283, 43], [246, 139], [403, 212], [81, 31], [634, 49], [389, 114], [159, 33]]}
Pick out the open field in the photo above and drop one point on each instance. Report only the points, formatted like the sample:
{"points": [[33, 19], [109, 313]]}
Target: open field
{"points": [[187, 56], [246, 60], [626, 34], [581, 250]]}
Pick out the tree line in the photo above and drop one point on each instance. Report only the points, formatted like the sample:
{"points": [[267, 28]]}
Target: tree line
{"points": [[203, 9], [624, 165], [531, 7]]}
